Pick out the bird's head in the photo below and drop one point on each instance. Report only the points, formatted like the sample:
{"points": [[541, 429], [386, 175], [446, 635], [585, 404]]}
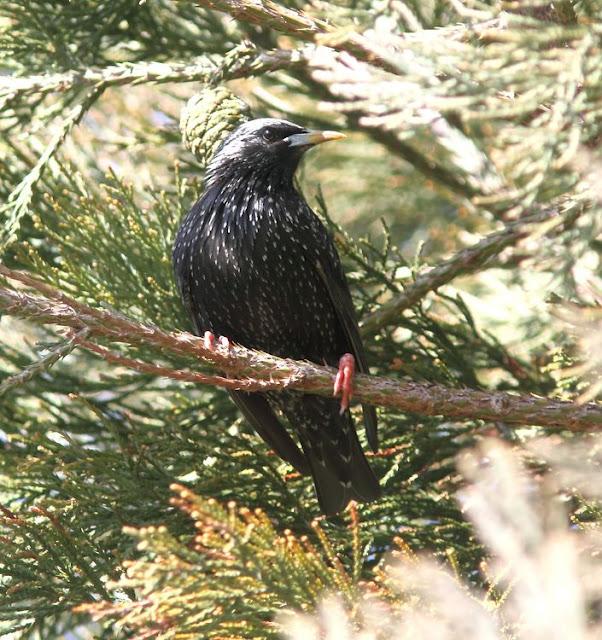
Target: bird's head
{"points": [[265, 145]]}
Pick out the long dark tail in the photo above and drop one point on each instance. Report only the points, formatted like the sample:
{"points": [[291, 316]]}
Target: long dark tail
{"points": [[337, 463]]}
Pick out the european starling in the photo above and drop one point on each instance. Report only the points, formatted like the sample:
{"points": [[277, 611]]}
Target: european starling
{"points": [[255, 264]]}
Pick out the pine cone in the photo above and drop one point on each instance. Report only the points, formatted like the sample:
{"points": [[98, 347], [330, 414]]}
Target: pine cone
{"points": [[208, 118]]}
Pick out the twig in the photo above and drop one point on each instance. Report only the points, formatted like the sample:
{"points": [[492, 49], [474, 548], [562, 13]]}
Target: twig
{"points": [[427, 167], [420, 398], [465, 261], [269, 14], [56, 353], [266, 13]]}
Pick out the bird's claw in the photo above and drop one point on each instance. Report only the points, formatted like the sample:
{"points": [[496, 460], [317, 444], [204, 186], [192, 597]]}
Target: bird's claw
{"points": [[343, 383], [209, 342]]}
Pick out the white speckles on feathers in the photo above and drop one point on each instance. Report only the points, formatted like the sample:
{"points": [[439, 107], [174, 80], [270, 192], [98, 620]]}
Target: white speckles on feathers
{"points": [[247, 260]]}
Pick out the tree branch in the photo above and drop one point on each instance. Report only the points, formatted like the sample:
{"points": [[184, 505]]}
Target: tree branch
{"points": [[463, 262], [182, 374], [19, 200], [56, 353], [424, 399], [266, 13], [247, 61]]}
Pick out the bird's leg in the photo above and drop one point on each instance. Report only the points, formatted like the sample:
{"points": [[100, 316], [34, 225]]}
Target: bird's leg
{"points": [[209, 342], [343, 383]]}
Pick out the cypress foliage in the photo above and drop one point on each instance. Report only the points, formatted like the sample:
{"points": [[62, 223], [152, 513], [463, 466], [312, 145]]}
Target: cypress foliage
{"points": [[466, 205]]}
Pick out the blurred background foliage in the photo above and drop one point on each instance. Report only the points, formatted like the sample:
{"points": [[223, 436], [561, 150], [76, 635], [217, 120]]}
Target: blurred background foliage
{"points": [[461, 117]]}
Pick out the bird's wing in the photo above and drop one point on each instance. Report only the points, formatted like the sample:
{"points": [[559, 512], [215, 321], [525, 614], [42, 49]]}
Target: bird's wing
{"points": [[261, 417], [334, 280]]}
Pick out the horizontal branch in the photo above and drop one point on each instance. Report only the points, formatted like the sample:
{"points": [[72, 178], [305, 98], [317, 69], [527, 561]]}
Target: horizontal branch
{"points": [[268, 14], [251, 369], [248, 61], [182, 374], [463, 262]]}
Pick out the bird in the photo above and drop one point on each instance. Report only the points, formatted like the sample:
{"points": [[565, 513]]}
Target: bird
{"points": [[256, 266]]}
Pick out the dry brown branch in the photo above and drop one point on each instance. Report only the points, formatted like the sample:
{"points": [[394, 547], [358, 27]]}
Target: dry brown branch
{"points": [[254, 370], [181, 374]]}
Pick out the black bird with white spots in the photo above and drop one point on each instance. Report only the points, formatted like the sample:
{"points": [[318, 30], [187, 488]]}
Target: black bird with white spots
{"points": [[254, 263]]}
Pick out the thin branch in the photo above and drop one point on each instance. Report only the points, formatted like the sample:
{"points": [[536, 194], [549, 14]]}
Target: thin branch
{"points": [[427, 167], [424, 399], [182, 374], [248, 61], [266, 13], [56, 353], [465, 261]]}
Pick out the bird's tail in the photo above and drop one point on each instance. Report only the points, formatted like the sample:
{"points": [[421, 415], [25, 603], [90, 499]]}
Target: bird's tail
{"points": [[337, 463]]}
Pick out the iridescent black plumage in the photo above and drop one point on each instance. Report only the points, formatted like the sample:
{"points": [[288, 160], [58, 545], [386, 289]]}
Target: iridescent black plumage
{"points": [[254, 263]]}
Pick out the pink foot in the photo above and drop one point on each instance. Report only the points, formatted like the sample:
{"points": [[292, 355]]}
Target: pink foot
{"points": [[343, 383], [209, 341]]}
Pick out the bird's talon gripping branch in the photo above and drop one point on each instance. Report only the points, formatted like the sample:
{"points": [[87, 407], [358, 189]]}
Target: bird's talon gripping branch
{"points": [[209, 341], [343, 383]]}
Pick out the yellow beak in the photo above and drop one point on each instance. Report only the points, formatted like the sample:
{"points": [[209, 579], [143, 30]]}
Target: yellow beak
{"points": [[313, 137]]}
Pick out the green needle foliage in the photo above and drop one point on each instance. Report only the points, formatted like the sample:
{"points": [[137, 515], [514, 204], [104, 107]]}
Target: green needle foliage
{"points": [[466, 204]]}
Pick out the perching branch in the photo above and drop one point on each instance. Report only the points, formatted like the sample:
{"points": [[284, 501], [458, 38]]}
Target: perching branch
{"points": [[465, 261], [181, 374], [253, 370]]}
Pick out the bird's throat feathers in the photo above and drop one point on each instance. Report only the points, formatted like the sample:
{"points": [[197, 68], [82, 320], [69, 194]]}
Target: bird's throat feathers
{"points": [[226, 168], [239, 214]]}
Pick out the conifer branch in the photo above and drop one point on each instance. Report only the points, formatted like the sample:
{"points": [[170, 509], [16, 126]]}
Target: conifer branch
{"points": [[463, 262], [252, 369], [244, 61], [180, 374], [268, 14], [56, 353], [19, 200]]}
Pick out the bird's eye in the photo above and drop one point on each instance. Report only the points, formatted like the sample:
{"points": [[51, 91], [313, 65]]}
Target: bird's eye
{"points": [[270, 135]]}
